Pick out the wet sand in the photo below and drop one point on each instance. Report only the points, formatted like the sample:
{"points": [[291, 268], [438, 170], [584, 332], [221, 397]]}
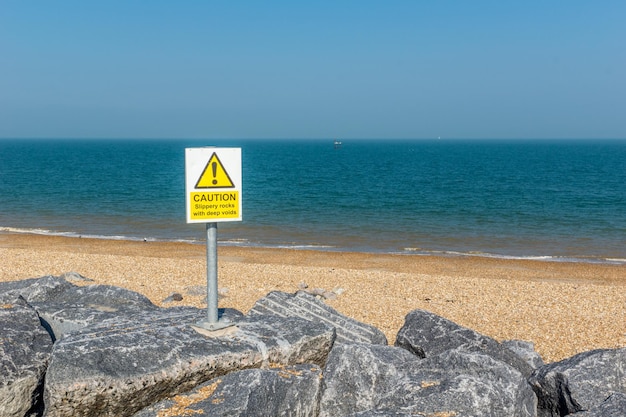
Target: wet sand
{"points": [[564, 308]]}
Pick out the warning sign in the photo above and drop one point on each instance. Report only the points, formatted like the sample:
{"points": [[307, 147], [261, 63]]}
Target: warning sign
{"points": [[213, 184], [214, 175]]}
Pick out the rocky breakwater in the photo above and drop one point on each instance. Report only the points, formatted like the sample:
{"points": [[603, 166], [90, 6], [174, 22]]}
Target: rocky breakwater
{"points": [[96, 350]]}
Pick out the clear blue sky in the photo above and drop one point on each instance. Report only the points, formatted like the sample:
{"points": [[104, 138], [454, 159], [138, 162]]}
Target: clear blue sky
{"points": [[319, 69]]}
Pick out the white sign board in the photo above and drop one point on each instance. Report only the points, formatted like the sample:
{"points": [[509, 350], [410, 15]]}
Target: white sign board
{"points": [[213, 184]]}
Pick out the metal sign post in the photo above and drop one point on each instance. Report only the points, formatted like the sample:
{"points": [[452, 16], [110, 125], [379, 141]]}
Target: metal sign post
{"points": [[212, 321], [213, 194]]}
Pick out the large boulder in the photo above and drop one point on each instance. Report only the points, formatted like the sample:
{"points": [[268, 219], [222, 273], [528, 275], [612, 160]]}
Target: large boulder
{"points": [[25, 348], [358, 375], [289, 391], [78, 307], [309, 307], [426, 334], [36, 289], [580, 382], [368, 380], [65, 307], [119, 366]]}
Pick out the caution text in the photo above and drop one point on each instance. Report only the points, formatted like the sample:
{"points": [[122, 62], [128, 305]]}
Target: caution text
{"points": [[215, 205]]}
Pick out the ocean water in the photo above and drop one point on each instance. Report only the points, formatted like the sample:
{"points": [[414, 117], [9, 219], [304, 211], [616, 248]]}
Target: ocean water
{"points": [[553, 200]]}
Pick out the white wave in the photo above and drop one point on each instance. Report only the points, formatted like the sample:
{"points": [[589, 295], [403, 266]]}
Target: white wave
{"points": [[46, 232], [546, 258]]}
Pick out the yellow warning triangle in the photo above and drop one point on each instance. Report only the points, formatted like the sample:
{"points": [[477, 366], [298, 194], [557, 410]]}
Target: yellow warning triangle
{"points": [[214, 175]]}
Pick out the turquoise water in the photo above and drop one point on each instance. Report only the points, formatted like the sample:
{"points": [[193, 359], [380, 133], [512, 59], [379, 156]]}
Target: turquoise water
{"points": [[563, 200]]}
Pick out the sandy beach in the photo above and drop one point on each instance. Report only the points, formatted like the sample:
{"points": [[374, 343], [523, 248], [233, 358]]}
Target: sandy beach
{"points": [[564, 308]]}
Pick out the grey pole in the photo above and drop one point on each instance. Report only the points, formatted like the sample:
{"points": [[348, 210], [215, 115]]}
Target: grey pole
{"points": [[212, 321], [211, 273]]}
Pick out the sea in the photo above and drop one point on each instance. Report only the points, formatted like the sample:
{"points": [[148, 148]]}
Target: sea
{"points": [[552, 200]]}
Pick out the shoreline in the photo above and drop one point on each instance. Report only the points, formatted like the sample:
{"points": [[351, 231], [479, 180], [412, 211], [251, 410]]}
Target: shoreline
{"points": [[563, 307], [596, 260]]}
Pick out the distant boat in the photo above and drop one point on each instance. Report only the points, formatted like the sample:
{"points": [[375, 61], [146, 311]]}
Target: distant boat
{"points": [[337, 144]]}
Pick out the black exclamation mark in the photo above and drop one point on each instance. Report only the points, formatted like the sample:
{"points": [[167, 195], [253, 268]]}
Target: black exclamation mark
{"points": [[214, 167]]}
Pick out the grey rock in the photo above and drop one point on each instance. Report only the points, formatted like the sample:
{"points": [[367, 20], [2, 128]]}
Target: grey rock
{"points": [[119, 366], [358, 375], [74, 276], [173, 297], [454, 383], [35, 289], [25, 348], [526, 351], [614, 406], [579, 383], [78, 307], [308, 307], [427, 334], [465, 383], [65, 307], [290, 391]]}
